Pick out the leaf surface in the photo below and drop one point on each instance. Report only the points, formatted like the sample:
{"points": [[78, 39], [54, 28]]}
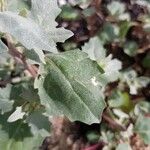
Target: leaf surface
{"points": [[72, 86]]}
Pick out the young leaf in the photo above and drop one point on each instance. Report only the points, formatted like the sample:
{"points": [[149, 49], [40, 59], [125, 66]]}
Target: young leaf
{"points": [[16, 115], [124, 146], [72, 86], [142, 127]]}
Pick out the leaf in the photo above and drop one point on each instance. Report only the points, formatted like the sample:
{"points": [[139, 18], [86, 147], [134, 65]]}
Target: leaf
{"points": [[16, 115], [94, 48], [38, 122], [69, 13], [17, 136], [116, 8], [110, 33], [124, 28], [121, 100], [130, 48], [146, 61], [72, 86], [6, 104], [142, 127], [124, 146], [26, 31], [38, 31], [134, 82], [17, 5], [44, 13]]}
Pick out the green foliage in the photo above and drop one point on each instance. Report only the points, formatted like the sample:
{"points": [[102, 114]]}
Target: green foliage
{"points": [[6, 104], [71, 82], [124, 146], [143, 129]]}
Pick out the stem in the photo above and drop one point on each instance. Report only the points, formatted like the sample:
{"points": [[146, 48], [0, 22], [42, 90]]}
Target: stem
{"points": [[19, 57]]}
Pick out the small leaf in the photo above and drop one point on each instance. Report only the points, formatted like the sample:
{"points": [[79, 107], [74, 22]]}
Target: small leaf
{"points": [[38, 31], [146, 61], [130, 48], [116, 8], [124, 146], [94, 48], [3, 52], [142, 127], [38, 122], [16, 115], [6, 104], [134, 82]]}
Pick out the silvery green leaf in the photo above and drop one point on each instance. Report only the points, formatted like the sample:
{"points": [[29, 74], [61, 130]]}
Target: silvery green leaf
{"points": [[134, 82], [94, 48], [145, 3], [3, 52], [109, 33], [116, 8], [71, 85], [142, 127], [16, 115], [6, 104], [17, 136], [44, 13], [124, 146]]}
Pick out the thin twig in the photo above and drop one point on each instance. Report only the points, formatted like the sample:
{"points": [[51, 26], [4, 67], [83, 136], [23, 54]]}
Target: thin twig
{"points": [[19, 57], [112, 123]]}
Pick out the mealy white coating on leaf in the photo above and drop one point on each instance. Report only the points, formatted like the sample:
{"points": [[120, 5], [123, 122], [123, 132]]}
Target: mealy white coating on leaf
{"points": [[94, 48], [38, 31], [16, 115], [142, 127]]}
